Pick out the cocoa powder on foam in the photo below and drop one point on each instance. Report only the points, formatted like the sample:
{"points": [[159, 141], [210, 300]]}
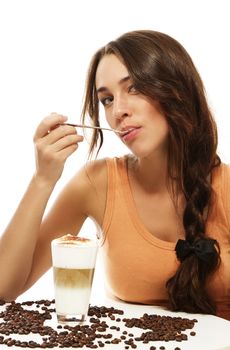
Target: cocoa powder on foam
{"points": [[71, 239]]}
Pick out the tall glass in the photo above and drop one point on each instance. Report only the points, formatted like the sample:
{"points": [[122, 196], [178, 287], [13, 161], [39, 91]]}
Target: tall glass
{"points": [[73, 260]]}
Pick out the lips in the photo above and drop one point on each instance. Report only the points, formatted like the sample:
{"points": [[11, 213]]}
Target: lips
{"points": [[130, 132], [126, 132], [128, 129]]}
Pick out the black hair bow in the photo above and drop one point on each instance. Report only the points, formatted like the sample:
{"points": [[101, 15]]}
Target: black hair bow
{"points": [[202, 248]]}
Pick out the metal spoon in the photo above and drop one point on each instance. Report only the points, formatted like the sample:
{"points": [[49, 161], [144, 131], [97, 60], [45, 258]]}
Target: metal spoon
{"points": [[95, 127]]}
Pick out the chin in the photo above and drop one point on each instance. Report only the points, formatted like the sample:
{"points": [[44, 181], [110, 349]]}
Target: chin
{"points": [[143, 153]]}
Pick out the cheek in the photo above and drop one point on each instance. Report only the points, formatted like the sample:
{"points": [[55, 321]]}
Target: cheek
{"points": [[160, 125], [110, 120], [163, 125]]}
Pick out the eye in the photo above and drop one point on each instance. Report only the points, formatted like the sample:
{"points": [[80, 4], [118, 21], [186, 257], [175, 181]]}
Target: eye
{"points": [[106, 100], [132, 88]]}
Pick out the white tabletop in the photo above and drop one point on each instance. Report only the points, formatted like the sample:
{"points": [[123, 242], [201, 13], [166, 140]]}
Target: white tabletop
{"points": [[212, 333]]}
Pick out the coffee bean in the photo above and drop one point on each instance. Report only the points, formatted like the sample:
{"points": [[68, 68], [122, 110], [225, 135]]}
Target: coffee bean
{"points": [[115, 341], [113, 327], [18, 318]]}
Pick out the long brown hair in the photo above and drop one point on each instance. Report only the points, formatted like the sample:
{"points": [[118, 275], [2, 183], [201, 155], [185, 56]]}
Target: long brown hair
{"points": [[162, 70]]}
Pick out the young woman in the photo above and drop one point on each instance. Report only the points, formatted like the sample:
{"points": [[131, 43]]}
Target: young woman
{"points": [[163, 209]]}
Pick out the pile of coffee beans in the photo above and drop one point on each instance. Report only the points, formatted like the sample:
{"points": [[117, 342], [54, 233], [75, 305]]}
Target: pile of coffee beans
{"points": [[28, 318]]}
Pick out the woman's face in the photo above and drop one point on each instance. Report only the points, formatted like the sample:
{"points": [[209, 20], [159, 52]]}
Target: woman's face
{"points": [[127, 109]]}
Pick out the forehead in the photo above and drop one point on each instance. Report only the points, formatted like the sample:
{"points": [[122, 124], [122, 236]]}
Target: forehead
{"points": [[110, 69]]}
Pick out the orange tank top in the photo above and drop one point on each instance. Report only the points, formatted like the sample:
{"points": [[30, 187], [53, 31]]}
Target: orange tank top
{"points": [[137, 264]]}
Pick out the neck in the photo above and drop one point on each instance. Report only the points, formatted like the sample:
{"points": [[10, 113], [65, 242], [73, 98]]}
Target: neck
{"points": [[151, 174]]}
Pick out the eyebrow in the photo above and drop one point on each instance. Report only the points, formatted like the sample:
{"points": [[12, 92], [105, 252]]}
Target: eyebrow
{"points": [[121, 81]]}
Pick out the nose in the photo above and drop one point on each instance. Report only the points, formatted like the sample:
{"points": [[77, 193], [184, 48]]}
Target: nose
{"points": [[121, 108]]}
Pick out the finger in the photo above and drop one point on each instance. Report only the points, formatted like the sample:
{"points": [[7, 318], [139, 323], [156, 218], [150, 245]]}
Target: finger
{"points": [[66, 141], [48, 124], [66, 152], [59, 132]]}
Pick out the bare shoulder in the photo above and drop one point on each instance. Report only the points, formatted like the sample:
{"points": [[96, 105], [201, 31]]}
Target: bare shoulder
{"points": [[91, 175], [83, 196], [89, 187]]}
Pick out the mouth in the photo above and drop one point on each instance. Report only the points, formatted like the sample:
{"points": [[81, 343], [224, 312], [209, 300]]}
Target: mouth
{"points": [[129, 132], [125, 131]]}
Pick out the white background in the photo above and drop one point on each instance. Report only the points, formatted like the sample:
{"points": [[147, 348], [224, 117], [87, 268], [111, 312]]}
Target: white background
{"points": [[45, 49]]}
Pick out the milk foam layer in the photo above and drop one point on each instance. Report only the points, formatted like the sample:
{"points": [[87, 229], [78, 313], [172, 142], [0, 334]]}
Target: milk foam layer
{"points": [[74, 252]]}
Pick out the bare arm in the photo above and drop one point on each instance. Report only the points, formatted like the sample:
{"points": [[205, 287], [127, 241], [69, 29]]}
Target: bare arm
{"points": [[84, 196], [67, 215], [18, 242]]}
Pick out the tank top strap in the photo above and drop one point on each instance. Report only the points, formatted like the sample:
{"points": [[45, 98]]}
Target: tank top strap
{"points": [[115, 168], [111, 174]]}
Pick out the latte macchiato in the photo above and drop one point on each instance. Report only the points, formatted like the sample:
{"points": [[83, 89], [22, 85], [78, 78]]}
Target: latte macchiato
{"points": [[73, 269]]}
